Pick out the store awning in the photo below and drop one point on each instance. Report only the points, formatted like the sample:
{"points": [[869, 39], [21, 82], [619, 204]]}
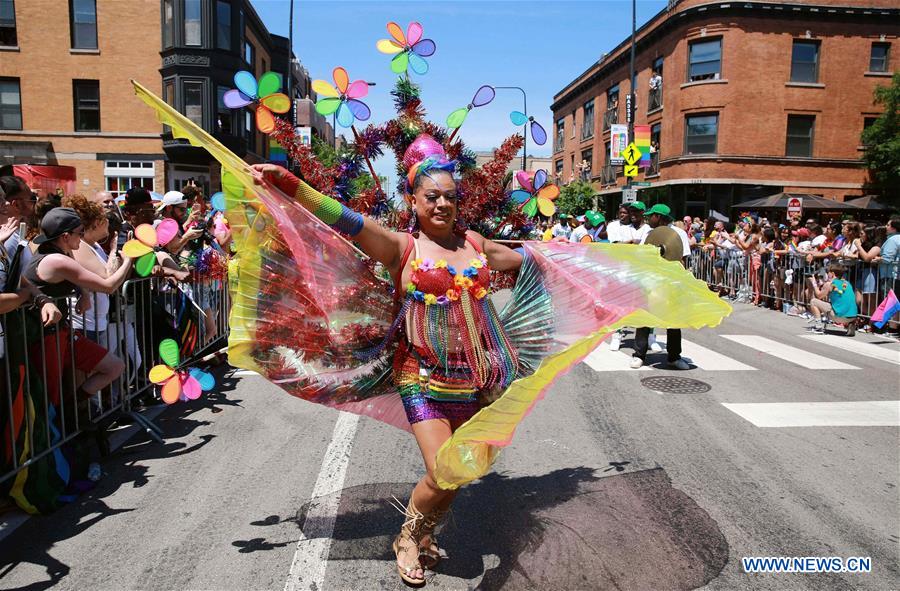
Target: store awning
{"points": [[810, 203]]}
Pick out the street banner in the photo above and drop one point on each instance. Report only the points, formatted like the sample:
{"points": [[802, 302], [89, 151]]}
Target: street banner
{"points": [[305, 135], [794, 206], [642, 141], [618, 140], [277, 155]]}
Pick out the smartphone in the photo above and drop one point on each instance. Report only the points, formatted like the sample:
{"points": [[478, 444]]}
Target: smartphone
{"points": [[22, 228]]}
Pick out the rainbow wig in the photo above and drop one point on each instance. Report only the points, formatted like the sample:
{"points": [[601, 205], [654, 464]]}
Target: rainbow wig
{"points": [[425, 167]]}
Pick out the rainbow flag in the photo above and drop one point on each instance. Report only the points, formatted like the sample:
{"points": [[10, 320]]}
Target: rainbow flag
{"points": [[277, 153], [642, 141]]}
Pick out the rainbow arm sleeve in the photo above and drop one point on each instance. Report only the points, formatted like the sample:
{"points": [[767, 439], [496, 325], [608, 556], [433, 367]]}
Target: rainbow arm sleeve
{"points": [[329, 210]]}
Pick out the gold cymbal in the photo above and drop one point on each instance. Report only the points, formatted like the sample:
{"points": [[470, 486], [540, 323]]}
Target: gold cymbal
{"points": [[670, 247]]}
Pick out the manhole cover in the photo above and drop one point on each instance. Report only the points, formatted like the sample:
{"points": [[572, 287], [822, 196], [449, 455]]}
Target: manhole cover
{"points": [[675, 385]]}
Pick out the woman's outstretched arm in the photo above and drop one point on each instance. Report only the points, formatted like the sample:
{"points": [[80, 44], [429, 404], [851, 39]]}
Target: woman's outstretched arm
{"points": [[375, 240]]}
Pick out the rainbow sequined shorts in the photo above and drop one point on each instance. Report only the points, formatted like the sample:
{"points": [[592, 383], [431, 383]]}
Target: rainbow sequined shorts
{"points": [[445, 393]]}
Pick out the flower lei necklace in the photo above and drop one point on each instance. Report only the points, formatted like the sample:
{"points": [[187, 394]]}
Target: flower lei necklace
{"points": [[462, 281]]}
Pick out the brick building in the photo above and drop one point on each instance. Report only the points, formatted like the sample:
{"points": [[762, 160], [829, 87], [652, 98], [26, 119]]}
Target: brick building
{"points": [[754, 98], [66, 97]]}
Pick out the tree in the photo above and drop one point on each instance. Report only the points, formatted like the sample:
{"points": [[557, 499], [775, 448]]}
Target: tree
{"points": [[882, 142], [575, 198]]}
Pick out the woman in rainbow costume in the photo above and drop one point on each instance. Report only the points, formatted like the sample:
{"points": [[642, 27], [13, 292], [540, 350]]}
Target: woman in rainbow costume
{"points": [[428, 354]]}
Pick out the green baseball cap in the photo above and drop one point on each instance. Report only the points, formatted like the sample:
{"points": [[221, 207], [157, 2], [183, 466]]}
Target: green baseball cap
{"points": [[663, 210], [562, 216], [595, 218], [639, 205]]}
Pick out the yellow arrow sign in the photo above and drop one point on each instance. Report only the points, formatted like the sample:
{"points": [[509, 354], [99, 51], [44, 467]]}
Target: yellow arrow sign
{"points": [[631, 170], [631, 154]]}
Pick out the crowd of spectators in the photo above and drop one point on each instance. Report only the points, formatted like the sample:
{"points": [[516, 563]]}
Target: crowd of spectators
{"points": [[74, 312]]}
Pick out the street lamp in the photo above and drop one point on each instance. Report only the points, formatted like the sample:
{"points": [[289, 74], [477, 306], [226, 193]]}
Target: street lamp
{"points": [[525, 111]]}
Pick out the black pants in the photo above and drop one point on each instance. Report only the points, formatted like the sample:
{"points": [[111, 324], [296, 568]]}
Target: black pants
{"points": [[673, 342]]}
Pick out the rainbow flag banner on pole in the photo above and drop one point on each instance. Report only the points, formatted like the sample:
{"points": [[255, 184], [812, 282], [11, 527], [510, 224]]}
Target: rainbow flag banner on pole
{"points": [[642, 141]]}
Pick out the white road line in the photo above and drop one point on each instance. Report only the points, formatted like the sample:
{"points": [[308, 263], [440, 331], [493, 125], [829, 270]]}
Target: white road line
{"points": [[244, 373], [858, 347], [786, 352], [707, 359], [602, 359], [311, 557], [875, 413]]}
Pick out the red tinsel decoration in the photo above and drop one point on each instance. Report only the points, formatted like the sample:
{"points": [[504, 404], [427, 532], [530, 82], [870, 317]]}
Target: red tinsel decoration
{"points": [[482, 188], [311, 170]]}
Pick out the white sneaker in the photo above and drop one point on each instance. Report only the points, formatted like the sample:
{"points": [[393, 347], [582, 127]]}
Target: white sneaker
{"points": [[636, 362], [615, 343], [655, 347], [680, 364]]}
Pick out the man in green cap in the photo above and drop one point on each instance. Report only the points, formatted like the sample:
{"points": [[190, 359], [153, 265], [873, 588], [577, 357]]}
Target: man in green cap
{"points": [[640, 227], [661, 215], [588, 231]]}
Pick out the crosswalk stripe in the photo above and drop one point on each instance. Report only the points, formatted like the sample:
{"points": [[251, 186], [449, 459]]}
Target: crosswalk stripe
{"points": [[707, 359], [873, 413], [858, 347], [244, 373], [786, 352], [602, 359]]}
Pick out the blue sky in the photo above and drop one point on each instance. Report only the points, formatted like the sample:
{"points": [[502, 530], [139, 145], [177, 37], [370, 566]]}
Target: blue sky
{"points": [[540, 46]]}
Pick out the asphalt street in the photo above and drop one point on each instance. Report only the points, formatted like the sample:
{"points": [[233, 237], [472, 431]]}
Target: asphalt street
{"points": [[607, 485]]}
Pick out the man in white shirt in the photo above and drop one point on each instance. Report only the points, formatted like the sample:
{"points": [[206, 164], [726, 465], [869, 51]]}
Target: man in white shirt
{"points": [[640, 227], [620, 230], [561, 229], [589, 229], [660, 215]]}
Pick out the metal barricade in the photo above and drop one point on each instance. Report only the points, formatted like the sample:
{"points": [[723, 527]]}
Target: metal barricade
{"points": [[42, 402]]}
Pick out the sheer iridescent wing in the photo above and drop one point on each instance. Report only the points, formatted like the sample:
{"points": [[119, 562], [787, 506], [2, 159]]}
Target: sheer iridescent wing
{"points": [[567, 298], [538, 134], [304, 304]]}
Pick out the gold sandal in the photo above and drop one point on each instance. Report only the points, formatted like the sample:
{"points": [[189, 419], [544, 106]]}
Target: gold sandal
{"points": [[411, 530], [430, 555]]}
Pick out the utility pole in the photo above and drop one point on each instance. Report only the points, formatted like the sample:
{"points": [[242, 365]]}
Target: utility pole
{"points": [[629, 107], [290, 72]]}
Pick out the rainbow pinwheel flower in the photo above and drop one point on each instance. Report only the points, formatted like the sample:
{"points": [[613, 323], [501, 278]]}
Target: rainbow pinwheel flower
{"points": [[410, 49], [142, 247], [483, 96], [538, 134], [344, 99], [178, 384], [265, 95], [535, 195]]}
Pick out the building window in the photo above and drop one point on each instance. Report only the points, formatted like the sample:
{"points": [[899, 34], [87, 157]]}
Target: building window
{"points": [[805, 61], [193, 101], [655, 132], [193, 30], [584, 167], [867, 123], [879, 58], [654, 98], [169, 92], [223, 25], [800, 135], [123, 175], [168, 23], [557, 167], [86, 96], [705, 60], [8, 23], [251, 132], [587, 125], [83, 23], [223, 113], [700, 132], [560, 135], [10, 104], [250, 55], [573, 126]]}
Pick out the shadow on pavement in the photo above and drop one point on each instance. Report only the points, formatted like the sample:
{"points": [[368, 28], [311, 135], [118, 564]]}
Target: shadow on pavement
{"points": [[32, 542], [569, 529]]}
